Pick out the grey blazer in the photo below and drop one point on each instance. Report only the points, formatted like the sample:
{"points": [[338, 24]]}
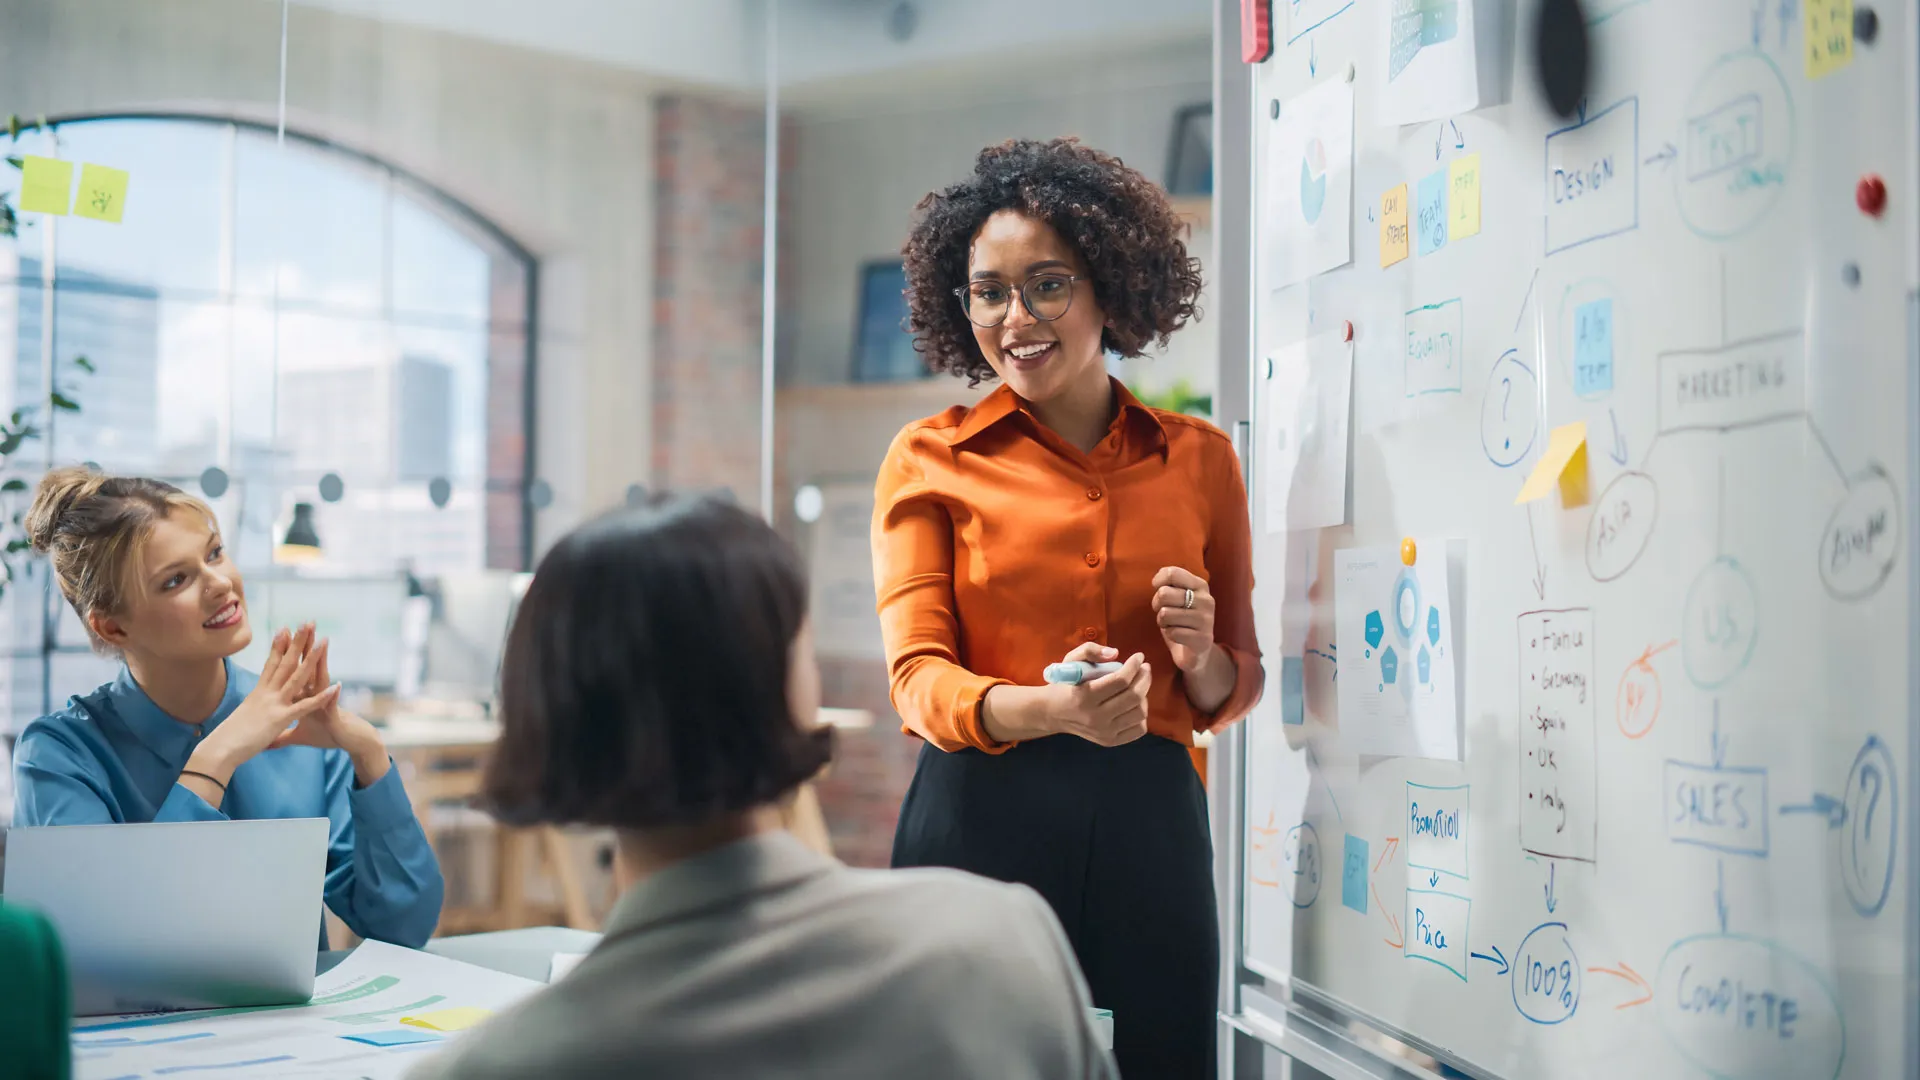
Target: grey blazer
{"points": [[766, 959]]}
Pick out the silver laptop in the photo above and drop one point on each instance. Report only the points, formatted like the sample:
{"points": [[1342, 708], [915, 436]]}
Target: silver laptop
{"points": [[177, 915]]}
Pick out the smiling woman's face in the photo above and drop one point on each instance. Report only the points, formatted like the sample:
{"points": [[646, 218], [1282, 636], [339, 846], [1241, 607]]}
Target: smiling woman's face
{"points": [[185, 600], [1036, 359]]}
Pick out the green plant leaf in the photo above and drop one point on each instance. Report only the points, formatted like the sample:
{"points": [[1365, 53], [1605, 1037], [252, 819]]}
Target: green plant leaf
{"points": [[15, 484], [84, 364], [64, 403], [10, 443]]}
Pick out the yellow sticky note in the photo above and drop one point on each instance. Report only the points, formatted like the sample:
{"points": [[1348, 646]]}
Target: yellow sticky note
{"points": [[45, 184], [1565, 462], [1463, 196], [103, 193], [459, 1019], [1829, 32], [1393, 226]]}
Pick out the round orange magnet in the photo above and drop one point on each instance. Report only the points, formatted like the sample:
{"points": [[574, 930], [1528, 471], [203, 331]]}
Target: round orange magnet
{"points": [[1407, 551]]}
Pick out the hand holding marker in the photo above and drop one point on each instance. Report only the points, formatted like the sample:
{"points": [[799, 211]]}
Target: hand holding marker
{"points": [[1075, 672]]}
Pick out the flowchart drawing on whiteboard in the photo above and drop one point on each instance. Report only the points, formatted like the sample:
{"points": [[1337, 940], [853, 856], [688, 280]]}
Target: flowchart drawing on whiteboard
{"points": [[1593, 177], [1736, 145], [1558, 788], [1307, 220], [1394, 627], [1436, 342]]}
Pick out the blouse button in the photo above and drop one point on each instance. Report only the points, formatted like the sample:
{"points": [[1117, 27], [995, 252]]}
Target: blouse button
{"points": [[1092, 559], [1090, 634], [1093, 493]]}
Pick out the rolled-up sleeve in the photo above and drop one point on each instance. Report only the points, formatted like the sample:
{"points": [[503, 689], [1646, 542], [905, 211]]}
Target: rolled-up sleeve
{"points": [[1229, 560], [937, 698], [382, 877]]}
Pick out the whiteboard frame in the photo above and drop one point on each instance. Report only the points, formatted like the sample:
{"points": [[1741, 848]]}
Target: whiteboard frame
{"points": [[1250, 1018]]}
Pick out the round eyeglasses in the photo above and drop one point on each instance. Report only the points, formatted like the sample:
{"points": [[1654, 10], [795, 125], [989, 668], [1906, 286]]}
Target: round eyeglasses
{"points": [[1045, 296]]}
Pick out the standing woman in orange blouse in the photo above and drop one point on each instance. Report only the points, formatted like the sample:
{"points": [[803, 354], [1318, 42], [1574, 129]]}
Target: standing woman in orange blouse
{"points": [[1060, 519]]}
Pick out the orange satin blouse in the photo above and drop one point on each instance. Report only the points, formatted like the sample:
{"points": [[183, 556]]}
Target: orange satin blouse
{"points": [[998, 547]]}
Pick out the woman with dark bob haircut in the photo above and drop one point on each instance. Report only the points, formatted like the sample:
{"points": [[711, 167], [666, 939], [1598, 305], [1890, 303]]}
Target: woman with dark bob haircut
{"points": [[659, 679], [1059, 520]]}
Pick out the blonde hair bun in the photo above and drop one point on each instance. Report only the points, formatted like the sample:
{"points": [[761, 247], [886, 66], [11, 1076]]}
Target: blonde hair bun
{"points": [[58, 492]]}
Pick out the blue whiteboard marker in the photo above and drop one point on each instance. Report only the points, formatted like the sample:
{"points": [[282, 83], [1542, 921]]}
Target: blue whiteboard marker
{"points": [[1075, 672]]}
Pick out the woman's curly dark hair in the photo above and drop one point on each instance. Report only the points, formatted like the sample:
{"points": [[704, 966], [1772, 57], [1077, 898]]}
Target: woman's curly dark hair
{"points": [[1120, 222]]}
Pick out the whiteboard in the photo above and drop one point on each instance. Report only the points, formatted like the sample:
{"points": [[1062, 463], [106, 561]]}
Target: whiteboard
{"points": [[1678, 842]]}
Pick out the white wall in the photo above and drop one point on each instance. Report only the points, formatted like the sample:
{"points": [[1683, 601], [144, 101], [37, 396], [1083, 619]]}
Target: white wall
{"points": [[723, 42], [866, 151], [557, 151]]}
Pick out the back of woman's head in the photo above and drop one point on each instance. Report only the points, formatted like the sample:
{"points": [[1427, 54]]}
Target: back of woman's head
{"points": [[645, 677], [90, 526]]}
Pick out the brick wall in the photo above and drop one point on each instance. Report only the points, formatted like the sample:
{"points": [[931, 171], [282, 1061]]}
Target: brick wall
{"points": [[709, 193], [860, 794], [709, 161]]}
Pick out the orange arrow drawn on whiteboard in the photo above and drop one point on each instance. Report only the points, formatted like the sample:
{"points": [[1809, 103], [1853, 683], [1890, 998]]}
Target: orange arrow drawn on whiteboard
{"points": [[1391, 921], [1386, 852], [1631, 976]]}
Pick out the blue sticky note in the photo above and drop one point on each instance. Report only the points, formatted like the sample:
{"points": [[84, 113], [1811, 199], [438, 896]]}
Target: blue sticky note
{"points": [[1293, 684], [1593, 348], [393, 1038], [1430, 221], [1353, 875]]}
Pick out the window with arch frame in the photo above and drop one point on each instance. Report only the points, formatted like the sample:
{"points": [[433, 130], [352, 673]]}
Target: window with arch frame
{"points": [[275, 322]]}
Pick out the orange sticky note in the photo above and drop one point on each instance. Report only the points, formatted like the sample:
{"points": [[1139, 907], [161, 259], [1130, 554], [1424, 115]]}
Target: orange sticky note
{"points": [[103, 193], [457, 1019], [1393, 226], [1564, 463], [45, 184]]}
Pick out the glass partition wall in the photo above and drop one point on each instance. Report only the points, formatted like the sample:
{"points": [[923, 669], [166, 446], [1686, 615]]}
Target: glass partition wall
{"points": [[406, 290]]}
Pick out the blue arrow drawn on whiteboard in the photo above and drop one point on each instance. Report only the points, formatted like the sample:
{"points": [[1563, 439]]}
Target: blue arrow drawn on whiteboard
{"points": [[1825, 806], [1497, 958], [1434, 881], [1313, 56], [1720, 892], [1719, 742], [1618, 452], [1551, 902]]}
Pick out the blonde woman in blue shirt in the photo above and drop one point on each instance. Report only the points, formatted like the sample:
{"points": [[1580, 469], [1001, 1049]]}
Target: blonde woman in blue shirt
{"points": [[184, 735]]}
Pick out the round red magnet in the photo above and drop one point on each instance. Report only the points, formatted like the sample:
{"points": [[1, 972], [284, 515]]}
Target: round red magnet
{"points": [[1871, 195]]}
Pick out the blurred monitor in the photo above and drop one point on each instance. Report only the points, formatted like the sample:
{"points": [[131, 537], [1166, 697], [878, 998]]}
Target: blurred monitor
{"points": [[361, 617], [472, 612]]}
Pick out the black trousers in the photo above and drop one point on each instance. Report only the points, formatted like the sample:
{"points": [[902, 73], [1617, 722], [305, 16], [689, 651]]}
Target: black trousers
{"points": [[1116, 840]]}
